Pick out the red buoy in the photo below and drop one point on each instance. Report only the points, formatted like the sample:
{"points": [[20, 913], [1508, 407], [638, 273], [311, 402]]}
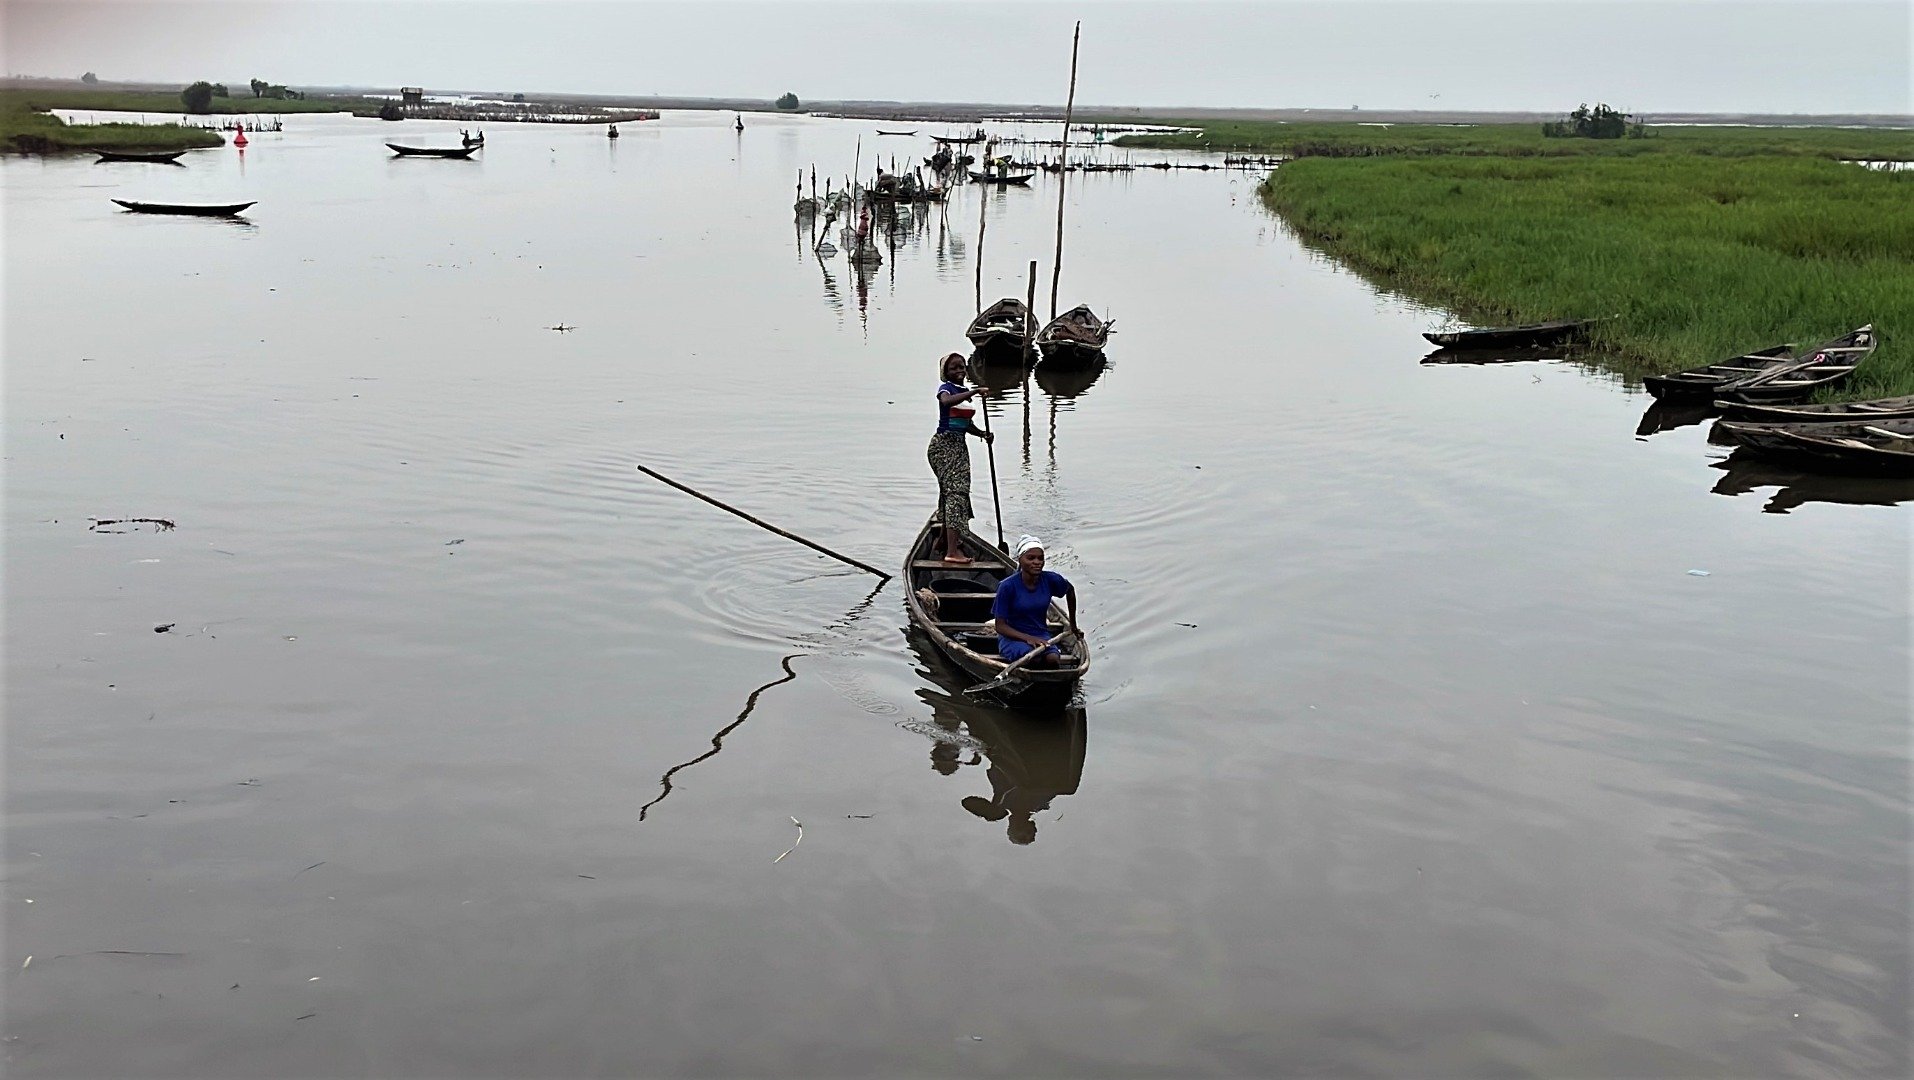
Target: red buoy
{"points": [[239, 137]]}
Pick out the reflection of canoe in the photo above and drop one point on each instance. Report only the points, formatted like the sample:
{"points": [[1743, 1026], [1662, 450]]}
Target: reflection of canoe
{"points": [[1700, 384], [1829, 365], [1894, 408], [1744, 471], [1019, 179], [1003, 328], [1667, 416], [963, 598], [193, 209], [435, 151], [1542, 333], [1491, 355], [1076, 336], [150, 157], [1872, 448], [1068, 380]]}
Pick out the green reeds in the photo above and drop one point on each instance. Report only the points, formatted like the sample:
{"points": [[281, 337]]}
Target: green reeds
{"points": [[24, 130], [1522, 140], [1700, 257]]}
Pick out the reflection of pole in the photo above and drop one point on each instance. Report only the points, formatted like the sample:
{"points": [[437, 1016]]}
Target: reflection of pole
{"points": [[1063, 171]]}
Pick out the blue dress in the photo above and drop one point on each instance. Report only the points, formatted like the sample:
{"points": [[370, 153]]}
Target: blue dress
{"points": [[1026, 609]]}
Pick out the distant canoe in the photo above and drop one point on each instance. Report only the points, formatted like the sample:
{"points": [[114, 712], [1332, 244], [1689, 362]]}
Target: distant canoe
{"points": [[1701, 383], [966, 141], [1076, 336], [1500, 337], [1019, 179], [149, 157], [191, 209], [1894, 408], [881, 131], [1002, 330], [1829, 365], [435, 151]]}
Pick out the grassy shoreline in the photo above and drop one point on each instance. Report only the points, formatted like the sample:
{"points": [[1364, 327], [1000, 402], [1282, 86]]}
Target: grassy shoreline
{"points": [[24, 130], [1701, 256], [1521, 140]]}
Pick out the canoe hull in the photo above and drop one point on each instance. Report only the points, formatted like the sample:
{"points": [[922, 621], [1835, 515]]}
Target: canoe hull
{"points": [[1502, 337], [1900, 408], [223, 210], [1829, 365], [161, 157], [964, 595], [461, 152]]}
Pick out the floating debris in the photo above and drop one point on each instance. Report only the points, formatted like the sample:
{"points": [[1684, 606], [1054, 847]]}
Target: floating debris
{"points": [[794, 843]]}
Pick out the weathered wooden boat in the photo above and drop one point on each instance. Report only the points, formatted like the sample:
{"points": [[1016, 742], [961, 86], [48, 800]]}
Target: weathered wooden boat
{"points": [[1700, 384], [436, 151], [1076, 336], [1893, 408], [1542, 333], [881, 131], [951, 605], [1878, 448], [190, 209], [967, 140], [1002, 179], [1829, 365], [1002, 329], [148, 157]]}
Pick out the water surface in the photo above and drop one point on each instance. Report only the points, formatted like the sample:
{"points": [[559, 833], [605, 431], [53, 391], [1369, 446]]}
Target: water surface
{"points": [[1412, 745]]}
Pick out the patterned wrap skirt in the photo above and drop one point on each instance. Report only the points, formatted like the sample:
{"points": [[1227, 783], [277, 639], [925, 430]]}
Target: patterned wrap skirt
{"points": [[950, 461]]}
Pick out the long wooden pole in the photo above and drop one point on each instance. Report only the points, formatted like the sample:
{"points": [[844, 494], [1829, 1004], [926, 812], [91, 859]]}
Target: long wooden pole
{"points": [[990, 448], [655, 475], [983, 201], [1063, 170], [1030, 313]]}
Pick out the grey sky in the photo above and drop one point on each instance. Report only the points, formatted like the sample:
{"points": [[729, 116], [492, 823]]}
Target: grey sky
{"points": [[1809, 56]]}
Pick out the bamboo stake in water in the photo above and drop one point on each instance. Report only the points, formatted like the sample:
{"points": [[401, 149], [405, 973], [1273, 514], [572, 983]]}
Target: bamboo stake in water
{"points": [[655, 475], [983, 201], [1063, 172], [1030, 313]]}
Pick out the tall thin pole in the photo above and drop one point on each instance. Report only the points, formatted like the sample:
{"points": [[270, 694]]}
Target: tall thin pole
{"points": [[1030, 313], [983, 201], [990, 446], [1063, 171]]}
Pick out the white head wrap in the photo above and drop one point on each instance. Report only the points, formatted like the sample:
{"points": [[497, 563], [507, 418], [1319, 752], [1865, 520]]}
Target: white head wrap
{"points": [[1026, 542]]}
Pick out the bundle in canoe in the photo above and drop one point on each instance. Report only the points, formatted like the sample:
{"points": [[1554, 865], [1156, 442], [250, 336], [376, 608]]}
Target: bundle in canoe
{"points": [[1700, 384], [951, 605], [1076, 336], [1878, 448], [150, 157], [1002, 329], [1542, 333], [1894, 408], [435, 151], [1829, 365], [190, 209]]}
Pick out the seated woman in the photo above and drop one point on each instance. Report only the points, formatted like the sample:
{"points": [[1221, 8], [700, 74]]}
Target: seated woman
{"points": [[1023, 605]]}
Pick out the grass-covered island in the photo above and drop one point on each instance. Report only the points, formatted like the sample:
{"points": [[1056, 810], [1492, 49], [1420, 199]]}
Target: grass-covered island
{"points": [[27, 127], [1704, 241]]}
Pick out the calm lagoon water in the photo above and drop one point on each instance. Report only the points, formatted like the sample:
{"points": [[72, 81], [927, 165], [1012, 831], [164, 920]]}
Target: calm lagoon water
{"points": [[1413, 746]]}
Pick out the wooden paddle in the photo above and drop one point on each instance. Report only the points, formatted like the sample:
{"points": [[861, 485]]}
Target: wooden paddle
{"points": [[1004, 675], [990, 448]]}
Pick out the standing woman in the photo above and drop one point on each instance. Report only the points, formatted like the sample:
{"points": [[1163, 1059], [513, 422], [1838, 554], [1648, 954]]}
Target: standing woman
{"points": [[950, 454]]}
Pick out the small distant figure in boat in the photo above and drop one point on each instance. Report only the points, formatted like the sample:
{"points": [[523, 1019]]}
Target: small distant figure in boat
{"points": [[950, 452], [611, 131], [740, 123], [1022, 607], [471, 140]]}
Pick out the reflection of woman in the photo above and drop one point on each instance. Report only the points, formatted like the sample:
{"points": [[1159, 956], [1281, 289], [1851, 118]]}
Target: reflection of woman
{"points": [[1022, 607], [950, 454]]}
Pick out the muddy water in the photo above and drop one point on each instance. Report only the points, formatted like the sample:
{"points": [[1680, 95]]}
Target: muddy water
{"points": [[1412, 747]]}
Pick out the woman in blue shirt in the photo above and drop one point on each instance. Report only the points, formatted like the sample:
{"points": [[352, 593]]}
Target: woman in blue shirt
{"points": [[1022, 606], [950, 453]]}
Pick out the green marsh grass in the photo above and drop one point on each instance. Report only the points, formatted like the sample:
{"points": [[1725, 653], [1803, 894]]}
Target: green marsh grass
{"points": [[1700, 257], [1522, 140], [24, 129]]}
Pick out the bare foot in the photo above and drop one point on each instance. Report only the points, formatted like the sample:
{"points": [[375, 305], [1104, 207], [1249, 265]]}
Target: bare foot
{"points": [[958, 560]]}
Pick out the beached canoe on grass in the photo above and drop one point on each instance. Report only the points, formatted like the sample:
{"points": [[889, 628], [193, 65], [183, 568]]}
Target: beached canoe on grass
{"points": [[1828, 365]]}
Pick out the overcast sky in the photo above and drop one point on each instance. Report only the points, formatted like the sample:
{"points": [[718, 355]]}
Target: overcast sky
{"points": [[1807, 56]]}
